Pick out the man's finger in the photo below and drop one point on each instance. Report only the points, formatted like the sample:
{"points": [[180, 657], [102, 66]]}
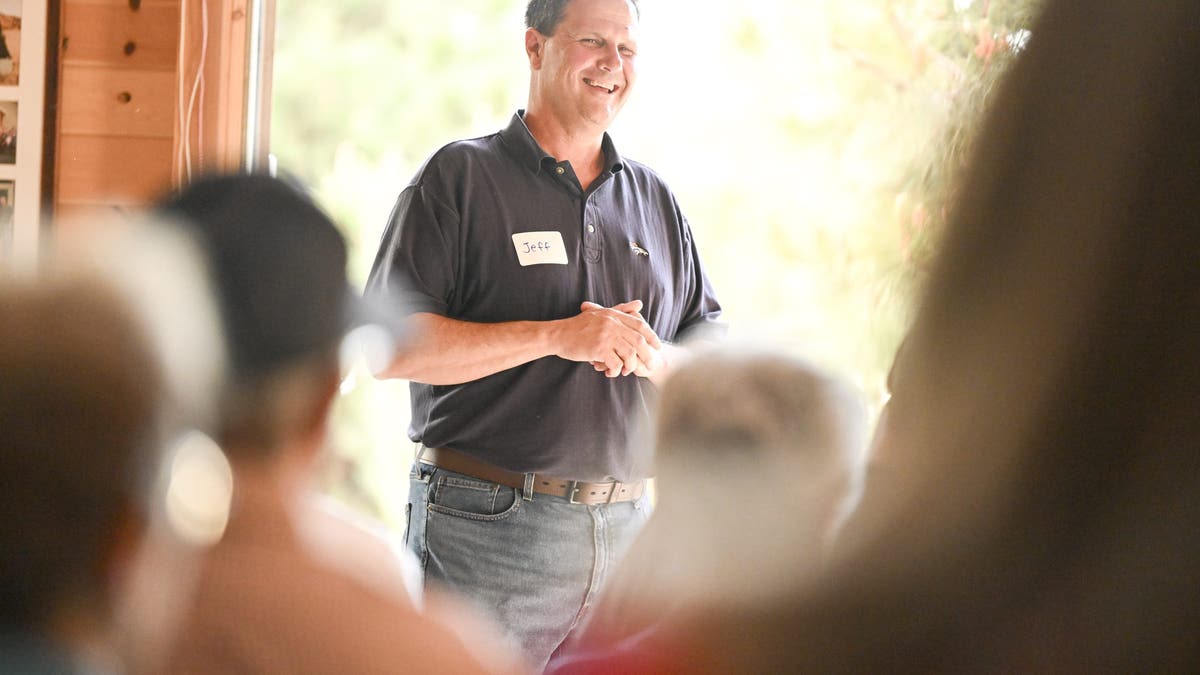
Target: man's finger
{"points": [[637, 323], [631, 307], [631, 322], [627, 352], [644, 353], [643, 329], [613, 364]]}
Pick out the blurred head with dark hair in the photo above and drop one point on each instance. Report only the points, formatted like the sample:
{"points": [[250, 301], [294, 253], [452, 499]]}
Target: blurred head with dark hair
{"points": [[292, 583], [278, 266], [79, 402]]}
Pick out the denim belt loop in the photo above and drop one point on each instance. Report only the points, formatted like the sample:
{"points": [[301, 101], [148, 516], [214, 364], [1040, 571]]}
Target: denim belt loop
{"points": [[527, 491]]}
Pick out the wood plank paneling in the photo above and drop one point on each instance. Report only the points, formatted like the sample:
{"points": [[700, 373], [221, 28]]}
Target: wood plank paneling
{"points": [[116, 101], [117, 98], [116, 107], [102, 32], [113, 169], [85, 214]]}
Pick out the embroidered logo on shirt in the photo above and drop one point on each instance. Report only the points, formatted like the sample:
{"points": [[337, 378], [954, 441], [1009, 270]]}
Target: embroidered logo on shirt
{"points": [[638, 250]]}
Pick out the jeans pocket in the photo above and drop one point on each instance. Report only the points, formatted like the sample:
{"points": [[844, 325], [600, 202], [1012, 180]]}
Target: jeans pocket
{"points": [[465, 497], [407, 522]]}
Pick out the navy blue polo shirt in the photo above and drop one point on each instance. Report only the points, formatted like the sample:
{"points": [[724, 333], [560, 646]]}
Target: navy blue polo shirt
{"points": [[493, 229]]}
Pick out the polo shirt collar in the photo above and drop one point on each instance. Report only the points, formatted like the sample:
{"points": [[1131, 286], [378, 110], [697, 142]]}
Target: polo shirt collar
{"points": [[525, 148]]}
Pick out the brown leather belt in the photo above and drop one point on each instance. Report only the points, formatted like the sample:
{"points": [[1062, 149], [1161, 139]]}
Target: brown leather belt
{"points": [[578, 492]]}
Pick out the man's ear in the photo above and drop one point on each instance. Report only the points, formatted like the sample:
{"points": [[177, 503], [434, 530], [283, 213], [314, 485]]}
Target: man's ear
{"points": [[534, 43]]}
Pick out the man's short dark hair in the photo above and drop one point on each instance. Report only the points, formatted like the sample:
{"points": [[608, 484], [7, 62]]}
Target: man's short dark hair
{"points": [[545, 15]]}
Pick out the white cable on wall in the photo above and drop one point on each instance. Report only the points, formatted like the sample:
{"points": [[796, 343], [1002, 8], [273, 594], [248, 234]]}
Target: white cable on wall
{"points": [[200, 112], [197, 84], [197, 89], [180, 129]]}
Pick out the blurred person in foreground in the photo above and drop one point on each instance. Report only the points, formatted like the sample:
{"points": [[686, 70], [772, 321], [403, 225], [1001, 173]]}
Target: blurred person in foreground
{"points": [[1043, 499], [291, 586], [79, 425], [783, 436], [552, 283]]}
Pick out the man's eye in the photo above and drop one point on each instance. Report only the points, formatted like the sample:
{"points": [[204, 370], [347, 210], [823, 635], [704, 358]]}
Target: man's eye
{"points": [[628, 52], [590, 41]]}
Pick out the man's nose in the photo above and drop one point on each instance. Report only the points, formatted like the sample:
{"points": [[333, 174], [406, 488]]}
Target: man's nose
{"points": [[610, 60]]}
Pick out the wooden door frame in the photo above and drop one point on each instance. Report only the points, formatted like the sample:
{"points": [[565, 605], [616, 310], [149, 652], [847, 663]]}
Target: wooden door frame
{"points": [[237, 89]]}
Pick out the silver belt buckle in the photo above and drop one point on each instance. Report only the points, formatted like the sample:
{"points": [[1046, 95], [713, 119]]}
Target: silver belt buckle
{"points": [[572, 490]]}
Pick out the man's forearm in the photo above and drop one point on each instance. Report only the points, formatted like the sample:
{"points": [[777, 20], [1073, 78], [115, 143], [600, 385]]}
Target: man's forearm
{"points": [[450, 351]]}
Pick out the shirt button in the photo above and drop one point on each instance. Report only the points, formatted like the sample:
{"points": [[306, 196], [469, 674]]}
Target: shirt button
{"points": [[591, 228], [560, 171]]}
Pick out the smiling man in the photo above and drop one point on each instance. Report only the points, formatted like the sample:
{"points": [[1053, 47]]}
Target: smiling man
{"points": [[552, 283]]}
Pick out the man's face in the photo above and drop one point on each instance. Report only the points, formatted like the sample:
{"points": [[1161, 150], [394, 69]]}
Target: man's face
{"points": [[585, 71]]}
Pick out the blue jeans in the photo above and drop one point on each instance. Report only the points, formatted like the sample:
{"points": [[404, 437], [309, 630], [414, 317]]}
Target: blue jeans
{"points": [[535, 565]]}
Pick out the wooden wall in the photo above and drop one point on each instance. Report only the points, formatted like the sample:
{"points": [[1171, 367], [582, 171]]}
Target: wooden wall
{"points": [[116, 103], [143, 100]]}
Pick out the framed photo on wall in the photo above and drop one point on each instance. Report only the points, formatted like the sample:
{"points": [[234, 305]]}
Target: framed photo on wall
{"points": [[10, 43], [7, 189], [22, 94], [8, 132]]}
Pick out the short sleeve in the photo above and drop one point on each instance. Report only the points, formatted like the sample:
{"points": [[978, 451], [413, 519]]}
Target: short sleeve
{"points": [[702, 311], [415, 269]]}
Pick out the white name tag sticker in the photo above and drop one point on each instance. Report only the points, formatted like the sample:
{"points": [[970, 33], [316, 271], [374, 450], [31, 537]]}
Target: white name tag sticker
{"points": [[540, 248]]}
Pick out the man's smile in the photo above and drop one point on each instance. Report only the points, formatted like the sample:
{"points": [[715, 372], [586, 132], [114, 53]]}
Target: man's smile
{"points": [[609, 87]]}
